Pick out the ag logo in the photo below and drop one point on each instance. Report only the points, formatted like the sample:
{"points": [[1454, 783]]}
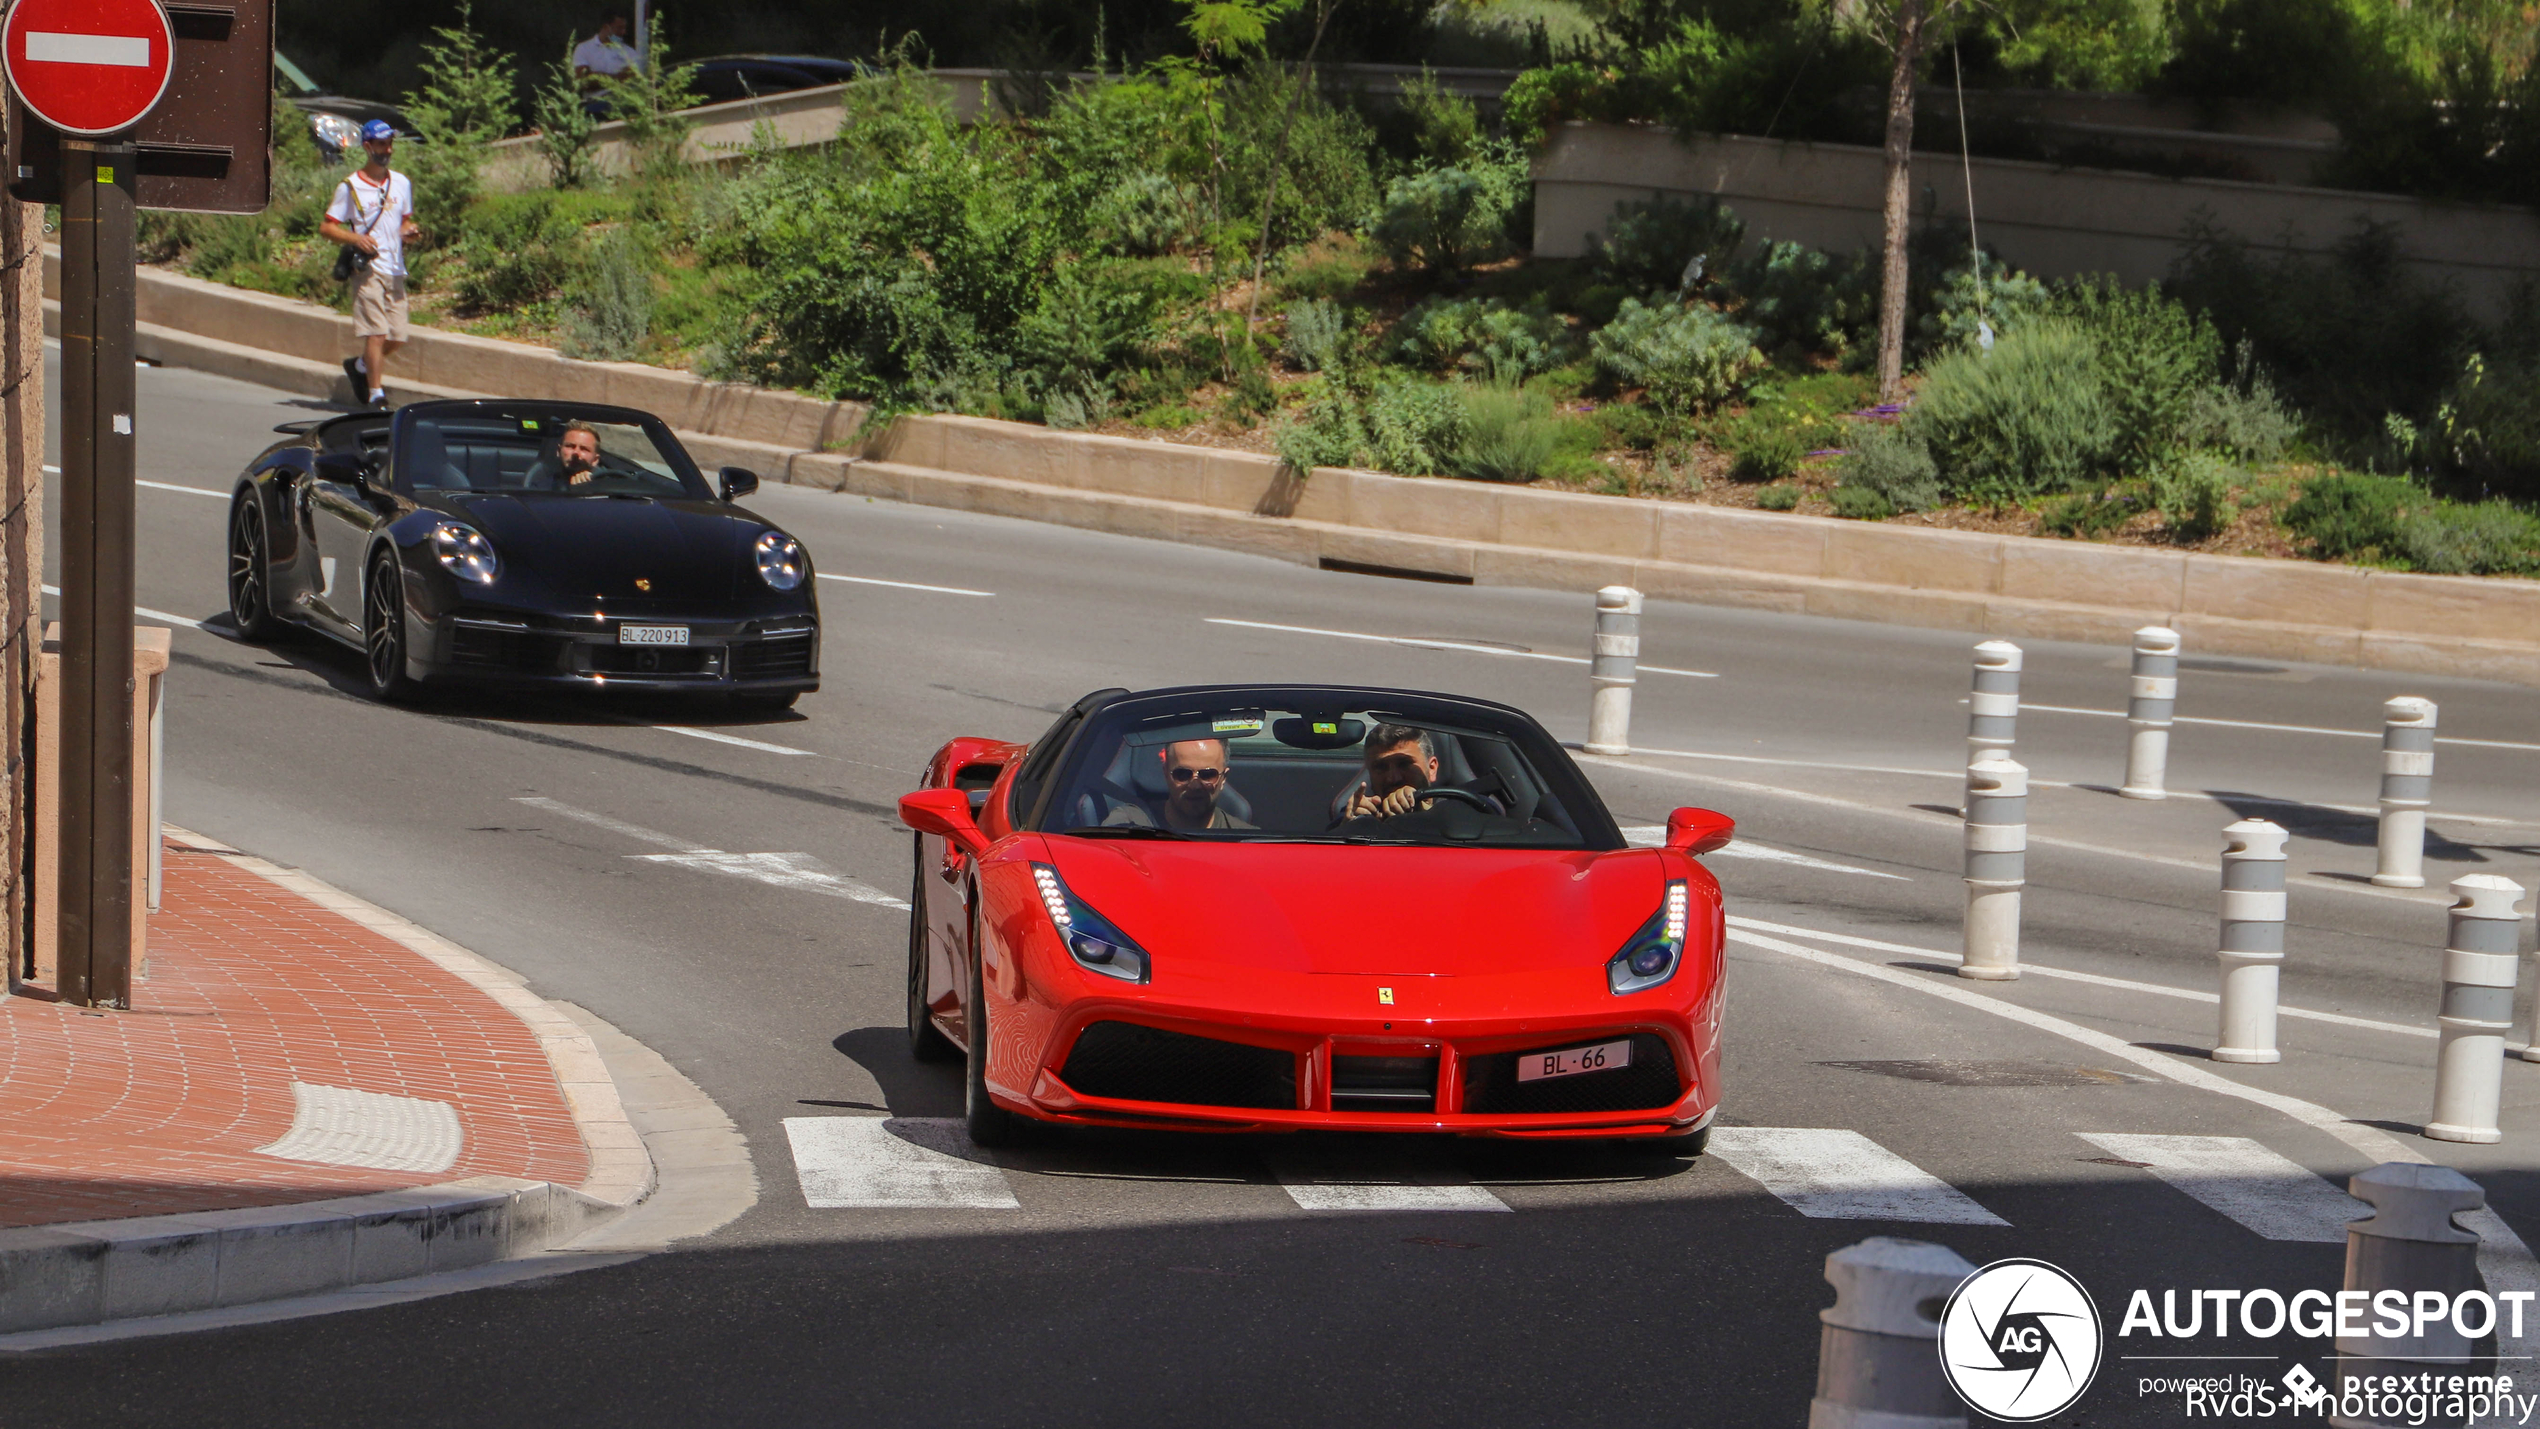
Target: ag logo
{"points": [[2020, 1340]]}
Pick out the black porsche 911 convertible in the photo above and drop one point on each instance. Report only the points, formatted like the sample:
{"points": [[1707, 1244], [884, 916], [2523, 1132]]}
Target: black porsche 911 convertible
{"points": [[552, 544]]}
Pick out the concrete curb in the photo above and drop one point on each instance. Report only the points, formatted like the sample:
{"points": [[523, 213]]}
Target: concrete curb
{"points": [[2460, 626], [83, 1273]]}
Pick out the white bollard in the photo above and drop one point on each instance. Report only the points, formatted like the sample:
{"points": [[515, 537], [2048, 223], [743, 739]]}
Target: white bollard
{"points": [[2408, 1247], [1993, 706], [2407, 788], [1997, 866], [2149, 706], [2252, 952], [1611, 670], [1878, 1345], [2480, 963]]}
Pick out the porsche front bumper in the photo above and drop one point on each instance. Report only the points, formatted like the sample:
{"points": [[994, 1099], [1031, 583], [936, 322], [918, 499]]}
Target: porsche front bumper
{"points": [[737, 656]]}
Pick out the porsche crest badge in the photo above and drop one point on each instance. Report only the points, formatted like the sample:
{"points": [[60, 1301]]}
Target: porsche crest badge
{"points": [[1385, 996]]}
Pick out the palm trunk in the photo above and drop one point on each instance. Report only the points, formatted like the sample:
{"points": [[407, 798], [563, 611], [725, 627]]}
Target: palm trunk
{"points": [[1910, 16]]}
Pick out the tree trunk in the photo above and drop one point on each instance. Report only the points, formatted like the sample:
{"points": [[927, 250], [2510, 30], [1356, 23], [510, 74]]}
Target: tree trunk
{"points": [[1910, 15]]}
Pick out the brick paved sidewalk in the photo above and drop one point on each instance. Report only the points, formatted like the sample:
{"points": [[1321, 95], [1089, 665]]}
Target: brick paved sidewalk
{"points": [[267, 1021]]}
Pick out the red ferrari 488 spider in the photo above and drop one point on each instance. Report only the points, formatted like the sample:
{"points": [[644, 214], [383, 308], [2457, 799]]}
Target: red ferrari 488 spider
{"points": [[1283, 907]]}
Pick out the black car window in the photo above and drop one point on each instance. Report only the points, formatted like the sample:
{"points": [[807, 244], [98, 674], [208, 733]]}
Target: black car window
{"points": [[523, 452]]}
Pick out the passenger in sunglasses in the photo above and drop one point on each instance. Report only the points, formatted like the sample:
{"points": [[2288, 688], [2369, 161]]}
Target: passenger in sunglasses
{"points": [[1195, 774]]}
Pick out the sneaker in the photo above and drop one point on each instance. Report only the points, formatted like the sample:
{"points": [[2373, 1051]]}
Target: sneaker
{"points": [[379, 398], [353, 373]]}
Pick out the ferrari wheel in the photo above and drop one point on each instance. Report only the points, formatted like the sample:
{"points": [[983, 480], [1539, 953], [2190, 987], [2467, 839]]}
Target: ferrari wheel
{"points": [[250, 574], [926, 1041], [989, 1124], [384, 632]]}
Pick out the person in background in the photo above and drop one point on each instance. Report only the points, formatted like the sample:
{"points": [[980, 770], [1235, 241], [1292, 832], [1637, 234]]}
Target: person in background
{"points": [[607, 53], [373, 213]]}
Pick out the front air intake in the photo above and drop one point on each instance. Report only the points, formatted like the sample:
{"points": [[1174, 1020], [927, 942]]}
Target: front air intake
{"points": [[1149, 1064]]}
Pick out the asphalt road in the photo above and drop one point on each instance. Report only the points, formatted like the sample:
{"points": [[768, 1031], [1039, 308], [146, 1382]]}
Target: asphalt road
{"points": [[1149, 1280]]}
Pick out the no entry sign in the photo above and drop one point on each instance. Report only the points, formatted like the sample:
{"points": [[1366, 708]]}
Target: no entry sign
{"points": [[88, 67]]}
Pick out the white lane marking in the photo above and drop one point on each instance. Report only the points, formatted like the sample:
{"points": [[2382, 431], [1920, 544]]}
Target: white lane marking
{"points": [[893, 1163], [636, 832], [338, 1126], [1655, 835], [147, 613], [1836, 1175], [721, 738], [1420, 644], [907, 585], [170, 486], [1385, 1196], [2281, 728], [799, 871], [2275, 1196], [2128, 984]]}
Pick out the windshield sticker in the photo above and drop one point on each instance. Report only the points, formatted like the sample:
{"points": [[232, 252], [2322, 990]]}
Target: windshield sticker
{"points": [[1324, 726], [1235, 726]]}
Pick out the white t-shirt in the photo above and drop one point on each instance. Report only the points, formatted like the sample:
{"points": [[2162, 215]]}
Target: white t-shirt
{"points": [[604, 56], [377, 211]]}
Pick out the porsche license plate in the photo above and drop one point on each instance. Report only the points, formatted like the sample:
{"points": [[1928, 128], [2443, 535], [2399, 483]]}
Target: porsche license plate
{"points": [[1571, 1061], [652, 635]]}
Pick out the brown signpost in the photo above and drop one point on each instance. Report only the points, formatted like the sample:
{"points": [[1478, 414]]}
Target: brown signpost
{"points": [[118, 105]]}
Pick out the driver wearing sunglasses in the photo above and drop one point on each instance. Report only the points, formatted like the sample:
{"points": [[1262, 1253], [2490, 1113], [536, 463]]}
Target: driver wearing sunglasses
{"points": [[1195, 774]]}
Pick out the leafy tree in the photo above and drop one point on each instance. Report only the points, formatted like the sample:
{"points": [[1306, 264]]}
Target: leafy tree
{"points": [[464, 104], [564, 124]]}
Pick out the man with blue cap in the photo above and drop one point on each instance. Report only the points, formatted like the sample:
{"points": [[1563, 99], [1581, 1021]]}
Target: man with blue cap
{"points": [[373, 214]]}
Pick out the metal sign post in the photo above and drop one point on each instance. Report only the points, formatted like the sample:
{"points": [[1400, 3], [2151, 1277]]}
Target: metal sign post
{"points": [[97, 573]]}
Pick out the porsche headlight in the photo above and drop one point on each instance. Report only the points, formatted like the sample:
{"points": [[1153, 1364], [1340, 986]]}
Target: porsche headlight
{"points": [[466, 553], [335, 132], [1653, 953], [1096, 946], [780, 560]]}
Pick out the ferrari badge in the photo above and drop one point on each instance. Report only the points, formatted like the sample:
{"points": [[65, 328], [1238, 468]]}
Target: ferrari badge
{"points": [[1385, 996], [643, 584]]}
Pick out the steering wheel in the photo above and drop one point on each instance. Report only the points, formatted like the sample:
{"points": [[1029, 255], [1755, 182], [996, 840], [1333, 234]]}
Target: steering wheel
{"points": [[1468, 796]]}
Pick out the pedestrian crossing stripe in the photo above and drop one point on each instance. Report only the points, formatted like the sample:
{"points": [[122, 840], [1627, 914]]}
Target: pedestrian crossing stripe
{"points": [[2276, 1197], [1829, 1174]]}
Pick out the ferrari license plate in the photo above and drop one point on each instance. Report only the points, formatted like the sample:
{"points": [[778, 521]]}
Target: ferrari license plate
{"points": [[652, 635], [1571, 1061]]}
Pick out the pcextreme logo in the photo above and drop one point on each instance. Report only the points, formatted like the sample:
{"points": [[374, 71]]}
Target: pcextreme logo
{"points": [[2019, 1340]]}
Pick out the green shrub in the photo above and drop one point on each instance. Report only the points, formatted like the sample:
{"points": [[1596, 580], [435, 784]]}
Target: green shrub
{"points": [[1145, 214], [1684, 357], [2488, 538], [2240, 416], [2155, 360], [2345, 514], [2027, 419], [1317, 335], [2193, 495], [1096, 318], [1250, 397], [1442, 221], [520, 249], [1414, 427], [1665, 245], [1508, 435], [2489, 428], [465, 104], [1891, 463], [1780, 497], [564, 125], [1768, 453], [610, 311], [1962, 304], [1326, 431], [2089, 514], [1859, 503], [1325, 179], [1802, 297], [1327, 275]]}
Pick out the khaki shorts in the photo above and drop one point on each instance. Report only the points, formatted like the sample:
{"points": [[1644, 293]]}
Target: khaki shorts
{"points": [[379, 306]]}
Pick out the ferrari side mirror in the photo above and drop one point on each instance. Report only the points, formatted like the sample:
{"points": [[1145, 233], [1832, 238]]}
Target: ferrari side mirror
{"points": [[944, 813], [1699, 831], [737, 482]]}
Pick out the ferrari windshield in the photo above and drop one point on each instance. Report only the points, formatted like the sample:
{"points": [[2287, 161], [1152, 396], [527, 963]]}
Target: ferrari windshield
{"points": [[1358, 770], [546, 451]]}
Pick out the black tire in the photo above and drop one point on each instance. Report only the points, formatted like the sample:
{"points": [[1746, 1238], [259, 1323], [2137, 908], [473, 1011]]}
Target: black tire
{"points": [[926, 1041], [989, 1124], [251, 573], [384, 632], [766, 704]]}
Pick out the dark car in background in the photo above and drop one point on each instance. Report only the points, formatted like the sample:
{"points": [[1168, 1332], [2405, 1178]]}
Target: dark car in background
{"points": [[451, 544], [729, 77], [335, 120]]}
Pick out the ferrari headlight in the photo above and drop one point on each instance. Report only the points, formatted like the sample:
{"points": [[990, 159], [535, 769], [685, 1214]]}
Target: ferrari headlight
{"points": [[780, 560], [337, 133], [1652, 954], [466, 552], [1096, 946]]}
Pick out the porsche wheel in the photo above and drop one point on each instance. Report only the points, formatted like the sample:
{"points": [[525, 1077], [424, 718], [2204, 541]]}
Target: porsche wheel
{"points": [[250, 574], [926, 1041], [384, 632], [989, 1124]]}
